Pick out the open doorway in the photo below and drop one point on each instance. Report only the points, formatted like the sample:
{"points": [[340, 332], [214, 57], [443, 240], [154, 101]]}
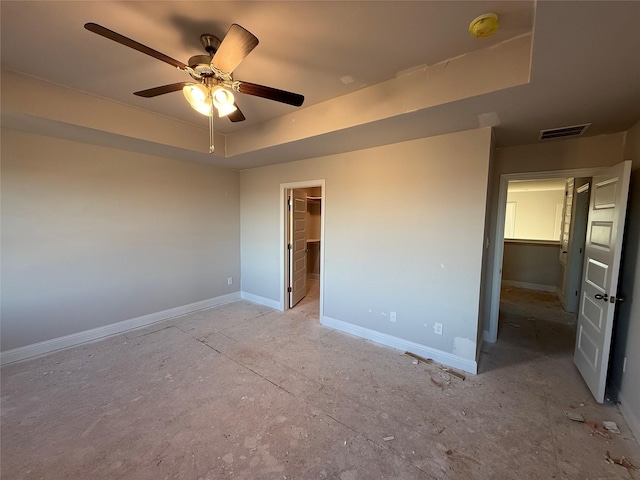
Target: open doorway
{"points": [[302, 271], [552, 280], [598, 295], [544, 236]]}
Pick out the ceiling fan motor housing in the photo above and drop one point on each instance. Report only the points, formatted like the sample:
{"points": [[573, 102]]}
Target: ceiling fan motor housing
{"points": [[210, 42], [201, 64]]}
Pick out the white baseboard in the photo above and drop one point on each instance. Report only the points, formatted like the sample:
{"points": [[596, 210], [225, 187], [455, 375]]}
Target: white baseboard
{"points": [[439, 356], [267, 302], [48, 346], [630, 416], [529, 286]]}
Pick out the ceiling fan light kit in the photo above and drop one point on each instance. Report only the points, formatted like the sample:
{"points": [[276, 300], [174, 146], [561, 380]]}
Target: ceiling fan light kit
{"points": [[223, 101], [201, 97], [484, 25], [211, 73], [197, 96]]}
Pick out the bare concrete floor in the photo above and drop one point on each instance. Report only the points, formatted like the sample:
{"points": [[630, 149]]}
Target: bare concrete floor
{"points": [[244, 392]]}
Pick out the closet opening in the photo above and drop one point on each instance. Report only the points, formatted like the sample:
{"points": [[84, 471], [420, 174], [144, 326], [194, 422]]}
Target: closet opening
{"points": [[303, 248]]}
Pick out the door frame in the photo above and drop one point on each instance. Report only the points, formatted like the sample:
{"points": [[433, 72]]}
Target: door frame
{"points": [[491, 334], [284, 257]]}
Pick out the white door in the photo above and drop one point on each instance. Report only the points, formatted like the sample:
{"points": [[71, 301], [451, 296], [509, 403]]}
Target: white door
{"points": [[605, 229], [297, 247]]}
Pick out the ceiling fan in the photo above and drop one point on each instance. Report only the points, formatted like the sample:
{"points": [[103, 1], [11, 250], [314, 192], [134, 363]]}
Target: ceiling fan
{"points": [[213, 83]]}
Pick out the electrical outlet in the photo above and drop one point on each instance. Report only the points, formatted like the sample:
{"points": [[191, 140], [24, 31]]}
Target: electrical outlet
{"points": [[229, 280], [392, 317], [437, 328]]}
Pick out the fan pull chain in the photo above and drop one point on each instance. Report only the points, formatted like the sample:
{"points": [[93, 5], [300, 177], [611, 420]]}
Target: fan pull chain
{"points": [[211, 133]]}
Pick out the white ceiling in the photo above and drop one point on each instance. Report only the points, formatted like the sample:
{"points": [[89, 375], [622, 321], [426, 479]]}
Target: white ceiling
{"points": [[585, 62]]}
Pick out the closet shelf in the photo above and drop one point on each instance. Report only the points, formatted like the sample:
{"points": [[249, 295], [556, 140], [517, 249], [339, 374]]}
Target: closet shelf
{"points": [[313, 240]]}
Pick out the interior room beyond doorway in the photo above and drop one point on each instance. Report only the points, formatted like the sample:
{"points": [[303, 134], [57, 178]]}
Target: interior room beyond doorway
{"points": [[544, 234]]}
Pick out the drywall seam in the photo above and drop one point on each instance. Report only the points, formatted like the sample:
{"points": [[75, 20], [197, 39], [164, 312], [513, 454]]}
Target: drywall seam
{"points": [[48, 346], [530, 286], [439, 356], [267, 302], [631, 417]]}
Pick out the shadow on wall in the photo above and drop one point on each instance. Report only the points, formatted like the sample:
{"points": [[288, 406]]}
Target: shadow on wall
{"points": [[629, 262]]}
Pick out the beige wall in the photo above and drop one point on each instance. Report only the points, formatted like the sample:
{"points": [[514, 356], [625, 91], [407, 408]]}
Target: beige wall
{"points": [[92, 236], [535, 217], [581, 152], [537, 265], [404, 227]]}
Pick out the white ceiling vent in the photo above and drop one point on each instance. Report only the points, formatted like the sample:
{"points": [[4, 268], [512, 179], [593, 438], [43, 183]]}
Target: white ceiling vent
{"points": [[572, 131]]}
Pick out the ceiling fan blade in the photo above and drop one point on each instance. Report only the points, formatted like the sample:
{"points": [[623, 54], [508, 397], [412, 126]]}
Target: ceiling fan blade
{"points": [[154, 92], [236, 44], [271, 93], [116, 37], [236, 116]]}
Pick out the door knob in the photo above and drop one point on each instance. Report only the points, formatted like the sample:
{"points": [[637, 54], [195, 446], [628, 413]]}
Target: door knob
{"points": [[604, 297]]}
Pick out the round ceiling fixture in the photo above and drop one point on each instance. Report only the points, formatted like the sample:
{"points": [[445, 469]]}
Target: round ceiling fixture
{"points": [[484, 26]]}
